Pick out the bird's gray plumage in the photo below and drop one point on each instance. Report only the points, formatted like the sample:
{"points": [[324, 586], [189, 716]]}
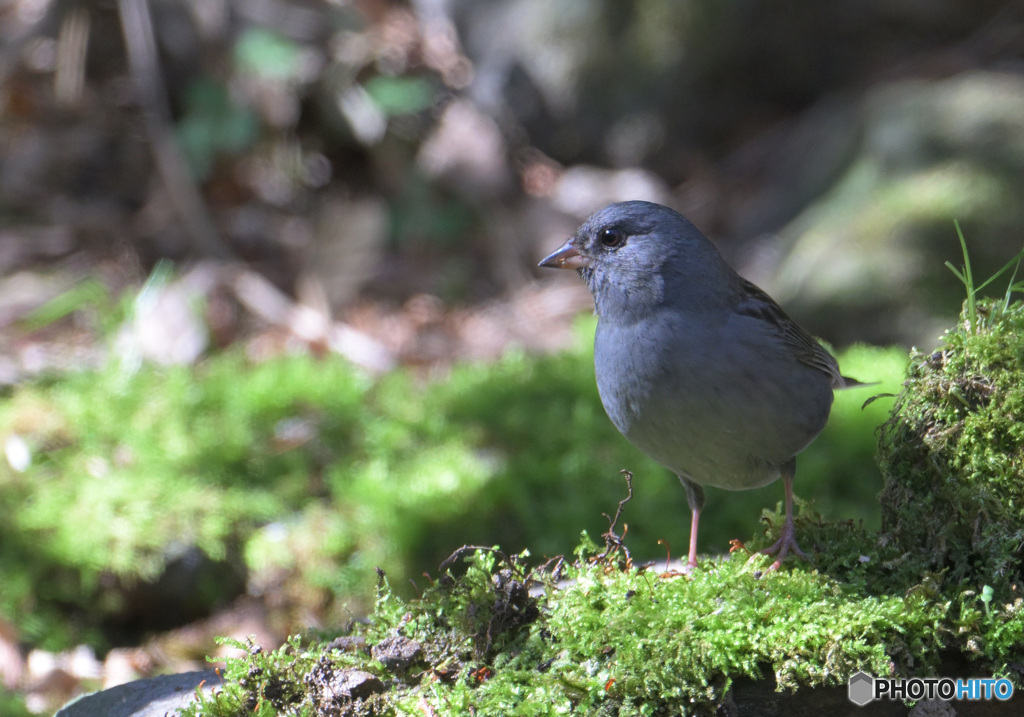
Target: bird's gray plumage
{"points": [[695, 365]]}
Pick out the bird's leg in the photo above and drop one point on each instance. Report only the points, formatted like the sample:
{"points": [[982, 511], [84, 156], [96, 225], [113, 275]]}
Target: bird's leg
{"points": [[786, 543], [691, 560], [695, 499]]}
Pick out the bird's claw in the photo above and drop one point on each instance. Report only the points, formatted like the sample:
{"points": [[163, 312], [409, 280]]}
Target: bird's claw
{"points": [[785, 545]]}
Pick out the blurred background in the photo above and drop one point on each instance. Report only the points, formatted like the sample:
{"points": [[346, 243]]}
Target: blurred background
{"points": [[270, 315]]}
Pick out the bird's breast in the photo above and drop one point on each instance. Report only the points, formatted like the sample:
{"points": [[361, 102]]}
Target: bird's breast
{"points": [[718, 410]]}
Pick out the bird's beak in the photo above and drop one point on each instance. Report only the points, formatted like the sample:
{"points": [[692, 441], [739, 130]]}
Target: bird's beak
{"points": [[566, 257]]}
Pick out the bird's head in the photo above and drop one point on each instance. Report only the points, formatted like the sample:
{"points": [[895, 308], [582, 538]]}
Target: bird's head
{"points": [[635, 256]]}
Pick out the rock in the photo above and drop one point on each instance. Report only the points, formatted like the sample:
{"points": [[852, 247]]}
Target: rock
{"points": [[333, 690], [154, 697], [397, 653], [356, 684]]}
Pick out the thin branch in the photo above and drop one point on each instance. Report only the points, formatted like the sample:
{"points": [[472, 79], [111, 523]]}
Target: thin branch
{"points": [[612, 542]]}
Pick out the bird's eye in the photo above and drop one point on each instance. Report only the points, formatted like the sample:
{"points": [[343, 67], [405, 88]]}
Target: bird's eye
{"points": [[612, 238]]}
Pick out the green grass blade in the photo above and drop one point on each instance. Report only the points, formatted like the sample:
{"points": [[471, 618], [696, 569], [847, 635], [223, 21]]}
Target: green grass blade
{"points": [[957, 273], [967, 279], [1012, 262]]}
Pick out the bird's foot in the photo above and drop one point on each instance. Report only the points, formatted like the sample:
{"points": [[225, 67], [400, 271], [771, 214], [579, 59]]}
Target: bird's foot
{"points": [[785, 545]]}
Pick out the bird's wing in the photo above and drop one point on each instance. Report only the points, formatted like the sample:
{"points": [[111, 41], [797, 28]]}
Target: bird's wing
{"points": [[756, 304]]}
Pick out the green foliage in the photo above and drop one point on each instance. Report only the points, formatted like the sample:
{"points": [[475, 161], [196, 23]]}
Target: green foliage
{"points": [[966, 278]]}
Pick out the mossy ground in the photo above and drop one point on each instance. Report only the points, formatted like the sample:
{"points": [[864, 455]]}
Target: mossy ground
{"points": [[615, 639]]}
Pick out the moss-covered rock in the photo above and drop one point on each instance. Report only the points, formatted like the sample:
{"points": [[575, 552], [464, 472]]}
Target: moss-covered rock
{"points": [[952, 455], [612, 639], [602, 636]]}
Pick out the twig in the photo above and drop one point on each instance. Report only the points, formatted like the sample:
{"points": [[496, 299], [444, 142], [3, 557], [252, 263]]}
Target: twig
{"points": [[668, 552], [622, 503], [613, 542], [451, 558]]}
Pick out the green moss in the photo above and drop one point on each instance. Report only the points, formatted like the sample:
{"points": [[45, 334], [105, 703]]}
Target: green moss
{"points": [[132, 470], [614, 639], [952, 456]]}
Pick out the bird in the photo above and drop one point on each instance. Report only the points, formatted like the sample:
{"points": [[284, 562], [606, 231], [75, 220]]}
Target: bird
{"points": [[696, 366]]}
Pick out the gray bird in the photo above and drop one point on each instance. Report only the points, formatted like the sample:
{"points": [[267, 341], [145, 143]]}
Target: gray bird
{"points": [[697, 367]]}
